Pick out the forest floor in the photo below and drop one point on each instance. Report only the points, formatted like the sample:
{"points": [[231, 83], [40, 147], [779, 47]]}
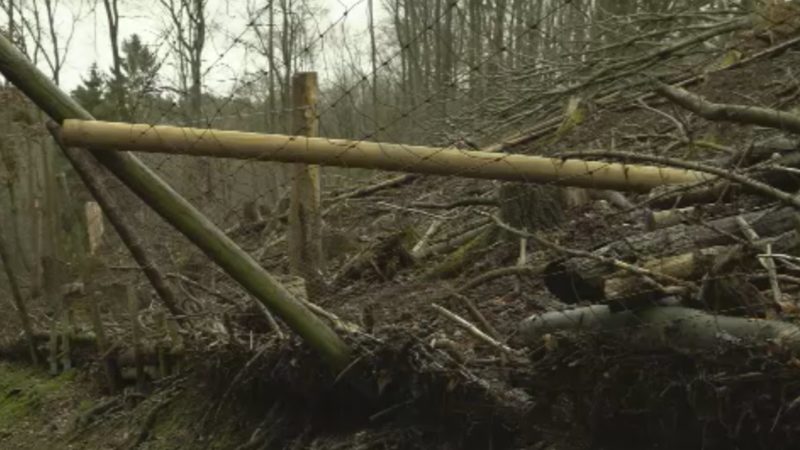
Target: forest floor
{"points": [[439, 387]]}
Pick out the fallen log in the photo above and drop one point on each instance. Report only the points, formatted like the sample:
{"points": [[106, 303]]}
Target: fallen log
{"points": [[654, 220], [663, 327], [575, 279], [453, 241], [626, 291], [742, 114], [104, 136]]}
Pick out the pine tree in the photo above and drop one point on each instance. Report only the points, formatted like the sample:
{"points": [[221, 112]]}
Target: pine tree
{"points": [[91, 93], [139, 76], [140, 65]]}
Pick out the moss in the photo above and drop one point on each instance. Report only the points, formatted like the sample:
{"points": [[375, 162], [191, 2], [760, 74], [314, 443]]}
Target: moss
{"points": [[24, 391], [575, 114], [85, 405]]}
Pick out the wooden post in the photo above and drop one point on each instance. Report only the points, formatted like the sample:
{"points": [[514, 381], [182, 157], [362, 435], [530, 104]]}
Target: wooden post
{"points": [[305, 220]]}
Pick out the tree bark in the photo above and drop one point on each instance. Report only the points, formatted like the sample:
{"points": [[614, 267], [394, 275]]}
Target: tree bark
{"points": [[663, 327], [305, 219], [105, 136], [583, 279]]}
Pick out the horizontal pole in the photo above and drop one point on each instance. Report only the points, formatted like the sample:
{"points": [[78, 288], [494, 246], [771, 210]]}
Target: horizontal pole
{"points": [[372, 155]]}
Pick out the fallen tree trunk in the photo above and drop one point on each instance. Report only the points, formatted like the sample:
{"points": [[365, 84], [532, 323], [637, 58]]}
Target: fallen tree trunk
{"points": [[452, 242], [626, 290], [583, 279], [663, 327], [654, 220], [743, 114], [372, 155]]}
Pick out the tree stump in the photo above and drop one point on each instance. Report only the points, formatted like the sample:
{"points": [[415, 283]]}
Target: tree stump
{"points": [[528, 206]]}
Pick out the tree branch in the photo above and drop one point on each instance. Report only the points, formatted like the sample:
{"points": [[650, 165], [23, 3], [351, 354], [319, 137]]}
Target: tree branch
{"points": [[749, 115]]}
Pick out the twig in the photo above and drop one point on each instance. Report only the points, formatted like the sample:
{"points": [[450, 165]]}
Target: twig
{"points": [[766, 262], [472, 201], [781, 256], [385, 412], [432, 229], [473, 330], [414, 210], [365, 191], [338, 323], [198, 285], [781, 277], [273, 324], [499, 273], [678, 124], [475, 313]]}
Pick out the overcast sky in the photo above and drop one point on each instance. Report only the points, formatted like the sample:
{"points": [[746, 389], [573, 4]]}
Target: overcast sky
{"points": [[225, 62]]}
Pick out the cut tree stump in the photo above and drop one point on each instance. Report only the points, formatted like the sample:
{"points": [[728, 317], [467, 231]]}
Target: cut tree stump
{"points": [[531, 206]]}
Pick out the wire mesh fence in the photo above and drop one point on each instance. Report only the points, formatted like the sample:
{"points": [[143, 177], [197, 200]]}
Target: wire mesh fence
{"points": [[564, 79]]}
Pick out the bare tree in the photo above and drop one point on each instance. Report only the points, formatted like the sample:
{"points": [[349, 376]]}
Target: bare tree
{"points": [[112, 16], [374, 60], [188, 17]]}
